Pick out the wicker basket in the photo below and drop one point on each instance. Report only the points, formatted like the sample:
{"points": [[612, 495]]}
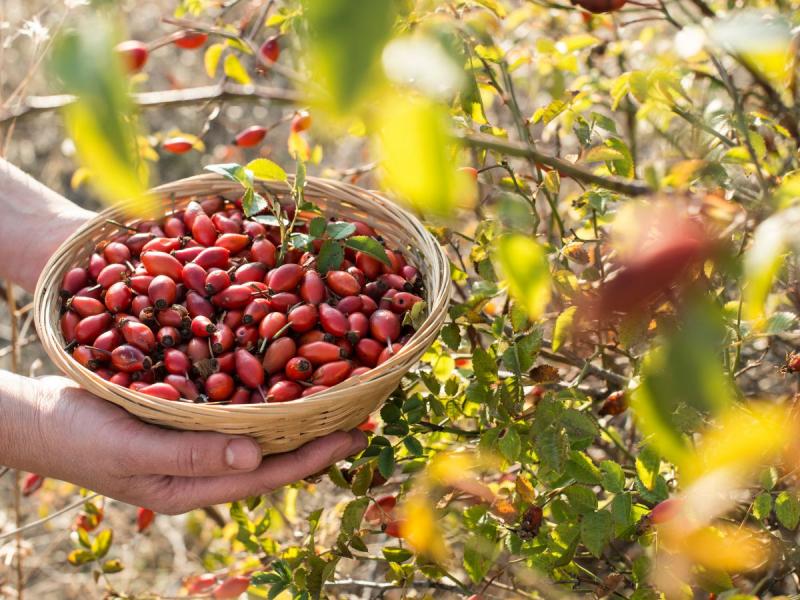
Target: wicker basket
{"points": [[277, 427]]}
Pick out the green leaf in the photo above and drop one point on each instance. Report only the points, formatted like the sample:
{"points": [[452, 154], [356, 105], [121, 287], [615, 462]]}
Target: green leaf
{"points": [[413, 445], [270, 220], [232, 171], [480, 553], [622, 511], [525, 267], [345, 43], [648, 465], [581, 468], [510, 445], [386, 462], [683, 376], [266, 169], [396, 555], [339, 230], [337, 477], [581, 498], [563, 327], [316, 228], [330, 256], [787, 509], [762, 506], [234, 69], [484, 365], [597, 529], [362, 480], [613, 479], [300, 241], [252, 202], [102, 543], [353, 514], [451, 335], [368, 245], [519, 357]]}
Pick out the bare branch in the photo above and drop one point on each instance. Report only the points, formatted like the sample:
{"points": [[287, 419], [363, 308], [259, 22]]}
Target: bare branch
{"points": [[565, 168], [230, 91]]}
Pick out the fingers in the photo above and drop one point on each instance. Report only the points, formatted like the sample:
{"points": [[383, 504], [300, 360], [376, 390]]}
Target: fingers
{"points": [[274, 472], [152, 450]]}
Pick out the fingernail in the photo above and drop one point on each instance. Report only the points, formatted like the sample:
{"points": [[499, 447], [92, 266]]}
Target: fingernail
{"points": [[242, 454], [358, 441]]}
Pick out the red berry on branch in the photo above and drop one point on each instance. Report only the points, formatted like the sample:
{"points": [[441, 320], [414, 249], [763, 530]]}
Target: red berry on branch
{"points": [[177, 145], [134, 55], [144, 518], [599, 6], [250, 136], [270, 50], [301, 121], [191, 40]]}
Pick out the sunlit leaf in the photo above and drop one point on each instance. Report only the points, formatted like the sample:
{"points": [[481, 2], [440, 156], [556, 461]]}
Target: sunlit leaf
{"points": [[102, 122], [563, 327], [211, 58], [417, 151], [524, 264], [764, 258], [233, 68], [346, 38], [420, 528], [263, 168]]}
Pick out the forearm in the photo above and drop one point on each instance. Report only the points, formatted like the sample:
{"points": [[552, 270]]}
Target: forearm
{"points": [[22, 441], [34, 221]]}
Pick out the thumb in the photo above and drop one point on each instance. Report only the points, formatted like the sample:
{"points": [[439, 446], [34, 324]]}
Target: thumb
{"points": [[191, 454]]}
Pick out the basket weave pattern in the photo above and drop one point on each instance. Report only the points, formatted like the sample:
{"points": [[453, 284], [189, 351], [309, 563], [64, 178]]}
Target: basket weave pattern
{"points": [[277, 427]]}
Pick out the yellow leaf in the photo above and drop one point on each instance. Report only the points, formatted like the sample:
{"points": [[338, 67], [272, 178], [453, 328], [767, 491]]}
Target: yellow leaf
{"points": [[742, 441], [527, 272], [420, 528], [726, 547], [79, 177], [111, 176], [417, 150], [298, 146], [211, 58], [234, 69]]}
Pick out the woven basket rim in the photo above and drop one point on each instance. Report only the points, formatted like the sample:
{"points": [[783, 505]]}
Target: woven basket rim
{"points": [[435, 298]]}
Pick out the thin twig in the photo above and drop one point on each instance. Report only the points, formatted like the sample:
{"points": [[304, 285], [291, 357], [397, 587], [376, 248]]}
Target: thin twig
{"points": [[230, 91], [512, 148], [35, 524]]}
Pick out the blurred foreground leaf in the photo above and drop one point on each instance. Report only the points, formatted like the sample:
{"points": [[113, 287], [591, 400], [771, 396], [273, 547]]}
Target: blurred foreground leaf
{"points": [[525, 267], [101, 121], [345, 42], [417, 150]]}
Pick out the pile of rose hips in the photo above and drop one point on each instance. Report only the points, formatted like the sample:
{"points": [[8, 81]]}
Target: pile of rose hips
{"points": [[197, 307]]}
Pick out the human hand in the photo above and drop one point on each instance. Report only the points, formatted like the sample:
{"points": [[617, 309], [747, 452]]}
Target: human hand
{"points": [[88, 441]]}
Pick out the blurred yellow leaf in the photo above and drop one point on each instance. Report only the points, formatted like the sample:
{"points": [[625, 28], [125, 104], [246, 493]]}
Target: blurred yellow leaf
{"points": [[420, 528], [101, 121], [211, 58], [418, 158], [765, 257], [524, 265], [79, 177], [723, 546], [234, 69], [742, 440]]}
